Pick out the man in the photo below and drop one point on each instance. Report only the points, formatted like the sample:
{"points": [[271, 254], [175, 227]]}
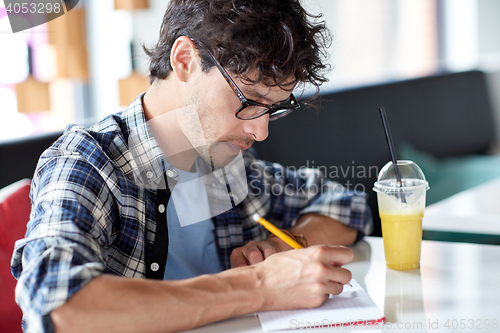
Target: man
{"points": [[105, 201]]}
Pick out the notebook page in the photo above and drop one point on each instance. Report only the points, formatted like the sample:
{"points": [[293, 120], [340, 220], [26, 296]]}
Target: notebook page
{"points": [[352, 305]]}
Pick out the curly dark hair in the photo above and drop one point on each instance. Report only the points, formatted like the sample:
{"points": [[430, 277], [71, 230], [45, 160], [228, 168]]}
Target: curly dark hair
{"points": [[277, 39]]}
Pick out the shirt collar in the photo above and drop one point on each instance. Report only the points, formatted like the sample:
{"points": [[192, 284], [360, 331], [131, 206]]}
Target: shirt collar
{"points": [[146, 157]]}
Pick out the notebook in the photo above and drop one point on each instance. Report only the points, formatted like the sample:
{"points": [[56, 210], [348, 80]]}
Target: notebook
{"points": [[351, 307]]}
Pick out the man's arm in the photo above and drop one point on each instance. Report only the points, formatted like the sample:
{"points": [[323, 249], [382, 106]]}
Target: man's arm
{"points": [[302, 202], [289, 280], [316, 229]]}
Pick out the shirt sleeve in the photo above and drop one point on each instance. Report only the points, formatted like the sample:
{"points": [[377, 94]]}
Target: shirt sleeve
{"points": [[282, 195], [66, 239]]}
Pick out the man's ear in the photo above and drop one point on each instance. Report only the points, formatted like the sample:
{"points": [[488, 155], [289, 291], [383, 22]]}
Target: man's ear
{"points": [[183, 58]]}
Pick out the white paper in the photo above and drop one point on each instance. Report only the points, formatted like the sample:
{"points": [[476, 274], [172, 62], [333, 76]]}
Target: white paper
{"points": [[352, 305]]}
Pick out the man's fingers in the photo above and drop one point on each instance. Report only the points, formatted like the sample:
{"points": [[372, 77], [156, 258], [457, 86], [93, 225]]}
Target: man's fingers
{"points": [[238, 259], [269, 250], [324, 272], [333, 255], [333, 288], [340, 275], [254, 255]]}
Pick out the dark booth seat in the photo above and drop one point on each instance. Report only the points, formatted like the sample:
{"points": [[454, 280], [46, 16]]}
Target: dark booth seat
{"points": [[18, 158], [445, 115]]}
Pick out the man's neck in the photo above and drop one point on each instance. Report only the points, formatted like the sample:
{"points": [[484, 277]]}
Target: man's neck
{"points": [[160, 105]]}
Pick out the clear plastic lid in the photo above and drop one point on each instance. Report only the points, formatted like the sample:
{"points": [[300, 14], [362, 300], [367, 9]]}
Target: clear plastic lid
{"points": [[412, 178]]}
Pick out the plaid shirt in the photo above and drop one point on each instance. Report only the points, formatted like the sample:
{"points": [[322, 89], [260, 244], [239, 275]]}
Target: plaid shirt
{"points": [[90, 217]]}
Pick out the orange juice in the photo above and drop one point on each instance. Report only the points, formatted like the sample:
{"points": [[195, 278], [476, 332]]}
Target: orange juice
{"points": [[402, 233], [401, 203]]}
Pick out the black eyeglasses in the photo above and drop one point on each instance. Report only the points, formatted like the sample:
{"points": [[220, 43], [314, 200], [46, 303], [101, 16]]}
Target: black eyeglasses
{"points": [[251, 109]]}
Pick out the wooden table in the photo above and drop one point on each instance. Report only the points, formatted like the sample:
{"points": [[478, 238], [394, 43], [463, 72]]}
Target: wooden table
{"points": [[457, 285]]}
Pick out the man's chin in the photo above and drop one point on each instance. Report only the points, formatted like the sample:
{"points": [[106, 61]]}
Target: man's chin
{"points": [[219, 154], [223, 153], [222, 159], [230, 148]]}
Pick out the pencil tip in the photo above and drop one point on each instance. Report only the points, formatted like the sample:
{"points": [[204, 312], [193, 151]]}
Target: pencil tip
{"points": [[256, 217]]}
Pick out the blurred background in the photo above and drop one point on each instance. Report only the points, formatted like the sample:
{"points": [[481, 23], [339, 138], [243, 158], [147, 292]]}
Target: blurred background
{"points": [[413, 56], [90, 63]]}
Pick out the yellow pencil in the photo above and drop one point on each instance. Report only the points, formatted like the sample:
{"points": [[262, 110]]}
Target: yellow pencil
{"points": [[276, 232]]}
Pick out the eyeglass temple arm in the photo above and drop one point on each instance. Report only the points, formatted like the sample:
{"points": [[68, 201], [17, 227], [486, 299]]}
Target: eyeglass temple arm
{"points": [[235, 88], [228, 79]]}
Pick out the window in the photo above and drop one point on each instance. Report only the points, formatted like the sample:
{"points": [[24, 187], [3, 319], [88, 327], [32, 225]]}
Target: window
{"points": [[380, 40]]}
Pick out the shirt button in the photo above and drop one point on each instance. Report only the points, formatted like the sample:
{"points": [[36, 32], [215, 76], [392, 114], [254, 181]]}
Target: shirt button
{"points": [[149, 174], [171, 173], [155, 267], [161, 208]]}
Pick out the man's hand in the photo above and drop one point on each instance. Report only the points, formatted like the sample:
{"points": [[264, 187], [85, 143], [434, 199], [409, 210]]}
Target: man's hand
{"points": [[317, 229], [296, 279], [255, 252], [303, 278]]}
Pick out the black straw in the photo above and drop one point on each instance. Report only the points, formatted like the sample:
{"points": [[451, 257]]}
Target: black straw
{"points": [[388, 136]]}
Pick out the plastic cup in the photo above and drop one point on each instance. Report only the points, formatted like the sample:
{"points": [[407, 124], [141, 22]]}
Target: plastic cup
{"points": [[401, 208]]}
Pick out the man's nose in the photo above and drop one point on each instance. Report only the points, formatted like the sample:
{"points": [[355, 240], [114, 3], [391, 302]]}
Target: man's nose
{"points": [[257, 127]]}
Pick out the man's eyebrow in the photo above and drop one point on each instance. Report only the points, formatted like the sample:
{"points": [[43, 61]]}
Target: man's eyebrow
{"points": [[257, 94]]}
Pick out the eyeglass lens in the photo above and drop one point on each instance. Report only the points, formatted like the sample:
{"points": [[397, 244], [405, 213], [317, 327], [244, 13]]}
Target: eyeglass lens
{"points": [[254, 111]]}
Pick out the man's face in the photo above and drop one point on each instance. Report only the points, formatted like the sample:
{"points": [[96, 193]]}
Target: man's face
{"points": [[214, 103]]}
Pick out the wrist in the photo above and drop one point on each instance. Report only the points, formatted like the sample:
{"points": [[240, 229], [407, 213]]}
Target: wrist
{"points": [[298, 237], [247, 283], [265, 295]]}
